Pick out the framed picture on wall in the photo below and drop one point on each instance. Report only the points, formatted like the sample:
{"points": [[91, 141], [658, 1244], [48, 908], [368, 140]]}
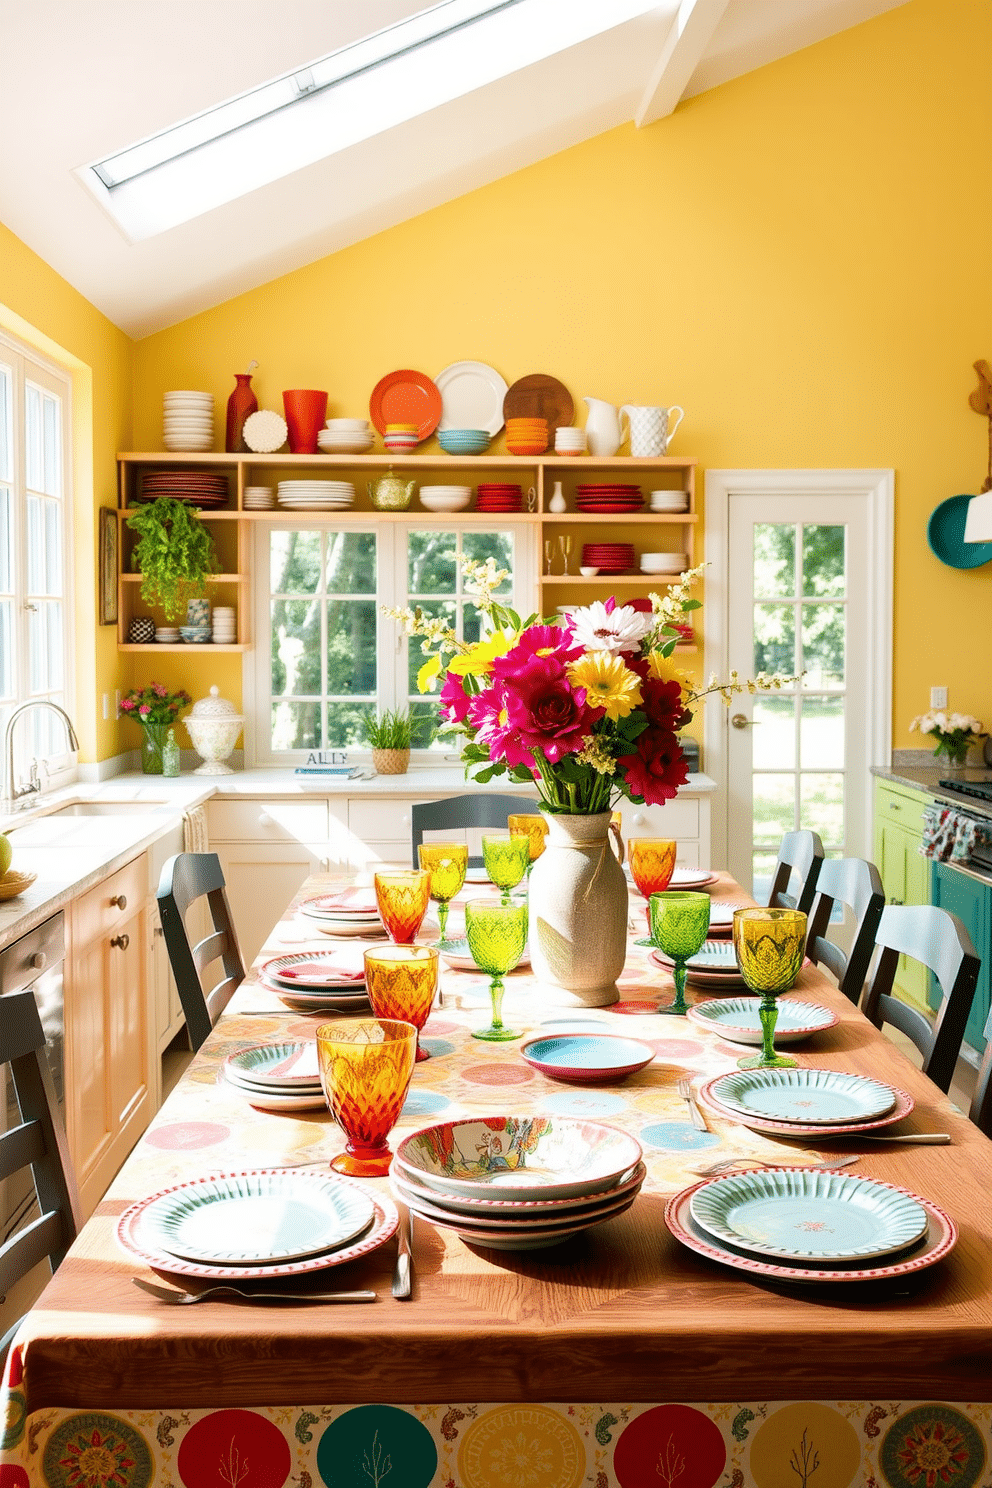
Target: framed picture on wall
{"points": [[108, 566]]}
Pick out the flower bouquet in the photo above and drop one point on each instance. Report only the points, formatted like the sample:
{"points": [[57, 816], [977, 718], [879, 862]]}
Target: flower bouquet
{"points": [[955, 732], [156, 709]]}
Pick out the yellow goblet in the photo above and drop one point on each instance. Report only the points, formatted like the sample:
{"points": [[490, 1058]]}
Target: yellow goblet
{"points": [[447, 864], [770, 944], [365, 1070], [402, 899], [534, 828], [401, 982]]}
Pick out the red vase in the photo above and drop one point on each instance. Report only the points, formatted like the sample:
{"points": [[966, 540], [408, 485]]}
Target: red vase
{"points": [[240, 404], [306, 409]]}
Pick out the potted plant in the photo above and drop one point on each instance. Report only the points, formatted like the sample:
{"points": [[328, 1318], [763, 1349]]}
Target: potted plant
{"points": [[389, 735], [175, 554], [156, 709]]}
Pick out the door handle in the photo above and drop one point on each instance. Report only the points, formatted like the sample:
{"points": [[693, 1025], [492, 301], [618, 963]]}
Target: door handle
{"points": [[121, 941], [120, 900], [741, 721]]}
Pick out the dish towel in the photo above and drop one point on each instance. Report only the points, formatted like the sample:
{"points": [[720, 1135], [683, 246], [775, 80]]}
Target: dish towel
{"points": [[195, 830], [950, 836]]}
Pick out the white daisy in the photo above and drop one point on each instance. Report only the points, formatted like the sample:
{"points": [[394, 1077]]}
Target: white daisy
{"points": [[599, 629]]}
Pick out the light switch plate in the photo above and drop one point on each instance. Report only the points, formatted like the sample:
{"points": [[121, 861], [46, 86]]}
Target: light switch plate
{"points": [[938, 697]]}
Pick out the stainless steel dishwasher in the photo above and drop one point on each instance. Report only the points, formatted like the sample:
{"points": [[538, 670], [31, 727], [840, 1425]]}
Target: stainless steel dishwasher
{"points": [[35, 961]]}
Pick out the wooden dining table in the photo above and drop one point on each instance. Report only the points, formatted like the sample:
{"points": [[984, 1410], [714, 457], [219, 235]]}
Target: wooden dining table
{"points": [[617, 1359]]}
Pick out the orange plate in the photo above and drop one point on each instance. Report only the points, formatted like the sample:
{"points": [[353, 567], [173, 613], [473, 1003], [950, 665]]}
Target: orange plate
{"points": [[406, 397]]}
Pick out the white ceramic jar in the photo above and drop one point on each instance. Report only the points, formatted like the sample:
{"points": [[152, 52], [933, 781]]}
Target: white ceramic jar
{"points": [[214, 726]]}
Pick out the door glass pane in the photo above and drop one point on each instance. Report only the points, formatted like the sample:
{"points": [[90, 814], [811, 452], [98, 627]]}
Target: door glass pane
{"points": [[774, 560], [296, 647], [350, 562], [56, 646], [6, 425], [774, 638], [294, 566], [6, 540], [53, 548], [351, 637], [821, 733], [821, 807], [36, 546], [33, 443], [52, 437], [773, 741], [823, 645], [431, 567], [773, 807], [6, 649], [823, 562]]}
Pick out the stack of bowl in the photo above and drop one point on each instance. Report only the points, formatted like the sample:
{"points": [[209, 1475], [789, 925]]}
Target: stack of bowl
{"points": [[346, 436], [188, 421], [445, 498], [526, 436], [518, 1183], [224, 625], [669, 501], [570, 440], [664, 563], [463, 441], [401, 439], [259, 498], [195, 635], [167, 635]]}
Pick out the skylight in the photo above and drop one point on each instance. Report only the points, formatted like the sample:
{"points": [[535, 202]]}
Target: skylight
{"points": [[430, 58]]}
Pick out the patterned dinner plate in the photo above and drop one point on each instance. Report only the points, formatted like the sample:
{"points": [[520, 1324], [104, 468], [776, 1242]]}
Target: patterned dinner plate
{"points": [[586, 1058], [313, 971], [737, 1019], [812, 1097], [491, 1204], [809, 1131], [806, 1216], [710, 981], [257, 1219], [510, 1234], [940, 1238]]}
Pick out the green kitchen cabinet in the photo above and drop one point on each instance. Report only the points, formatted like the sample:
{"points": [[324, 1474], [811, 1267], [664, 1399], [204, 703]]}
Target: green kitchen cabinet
{"points": [[904, 871], [970, 898]]}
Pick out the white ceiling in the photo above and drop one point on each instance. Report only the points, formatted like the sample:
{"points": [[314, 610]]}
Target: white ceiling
{"points": [[82, 78]]}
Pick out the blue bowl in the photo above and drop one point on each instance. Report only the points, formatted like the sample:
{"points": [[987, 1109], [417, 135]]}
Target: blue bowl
{"points": [[945, 534]]}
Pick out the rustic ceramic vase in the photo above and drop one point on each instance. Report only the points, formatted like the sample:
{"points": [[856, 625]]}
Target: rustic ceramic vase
{"points": [[240, 405], [578, 913]]}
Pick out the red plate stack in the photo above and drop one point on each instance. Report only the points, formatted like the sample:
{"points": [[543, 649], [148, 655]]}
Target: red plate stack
{"points": [[497, 496], [196, 487], [609, 558], [608, 498]]}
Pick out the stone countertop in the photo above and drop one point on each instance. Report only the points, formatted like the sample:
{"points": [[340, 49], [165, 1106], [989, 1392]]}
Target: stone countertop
{"points": [[927, 777]]}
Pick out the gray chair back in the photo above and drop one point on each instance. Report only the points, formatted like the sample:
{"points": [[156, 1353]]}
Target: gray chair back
{"points": [[457, 813], [186, 878], [800, 853]]}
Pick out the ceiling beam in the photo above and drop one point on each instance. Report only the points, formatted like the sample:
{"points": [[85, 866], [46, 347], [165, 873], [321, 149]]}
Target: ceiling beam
{"points": [[685, 44]]}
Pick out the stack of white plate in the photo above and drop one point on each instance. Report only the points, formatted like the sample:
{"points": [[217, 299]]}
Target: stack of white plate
{"points": [[225, 625], [346, 436], [259, 498], [316, 495], [737, 1019], [311, 980], [518, 1182], [445, 498], [353, 912], [569, 440], [167, 635], [277, 1077], [669, 501], [188, 421], [714, 966]]}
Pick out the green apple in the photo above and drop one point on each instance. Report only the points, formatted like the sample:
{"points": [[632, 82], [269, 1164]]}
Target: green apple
{"points": [[6, 854]]}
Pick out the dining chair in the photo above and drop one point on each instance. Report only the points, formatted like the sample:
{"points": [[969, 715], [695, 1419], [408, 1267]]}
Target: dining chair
{"points": [[939, 940], [855, 883], [473, 809], [186, 878], [980, 1110], [800, 853], [34, 1152]]}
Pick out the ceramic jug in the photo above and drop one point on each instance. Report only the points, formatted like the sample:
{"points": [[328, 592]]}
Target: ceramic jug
{"points": [[390, 493], [602, 428], [649, 429]]}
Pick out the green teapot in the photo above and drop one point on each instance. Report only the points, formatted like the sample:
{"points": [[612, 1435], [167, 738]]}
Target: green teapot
{"points": [[391, 493]]}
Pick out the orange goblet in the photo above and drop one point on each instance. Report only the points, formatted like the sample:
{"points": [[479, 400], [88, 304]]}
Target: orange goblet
{"points": [[401, 982], [402, 899], [365, 1070], [652, 863], [534, 828]]}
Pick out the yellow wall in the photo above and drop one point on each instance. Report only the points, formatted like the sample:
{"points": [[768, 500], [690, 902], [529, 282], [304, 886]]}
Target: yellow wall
{"points": [[40, 308], [800, 258]]}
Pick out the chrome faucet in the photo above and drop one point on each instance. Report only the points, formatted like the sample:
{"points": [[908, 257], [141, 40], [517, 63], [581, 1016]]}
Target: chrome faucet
{"points": [[12, 792]]}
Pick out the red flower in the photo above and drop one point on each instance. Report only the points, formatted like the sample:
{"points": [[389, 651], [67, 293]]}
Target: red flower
{"points": [[662, 702], [545, 641], [488, 713], [545, 710], [657, 769]]}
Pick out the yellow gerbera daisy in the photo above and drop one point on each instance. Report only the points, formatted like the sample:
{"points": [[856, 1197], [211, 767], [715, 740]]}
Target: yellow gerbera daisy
{"points": [[666, 669], [480, 659], [608, 681]]}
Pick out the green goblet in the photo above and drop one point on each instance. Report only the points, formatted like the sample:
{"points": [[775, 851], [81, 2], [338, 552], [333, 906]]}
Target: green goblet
{"points": [[680, 922], [770, 944], [506, 859], [496, 935]]}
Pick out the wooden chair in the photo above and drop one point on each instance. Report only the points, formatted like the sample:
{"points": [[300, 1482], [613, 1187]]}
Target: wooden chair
{"points": [[35, 1150], [800, 853], [980, 1109], [856, 884], [186, 878], [939, 940], [473, 809]]}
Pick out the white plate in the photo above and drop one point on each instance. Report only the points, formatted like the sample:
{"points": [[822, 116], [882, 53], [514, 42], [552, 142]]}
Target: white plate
{"points": [[691, 878], [267, 1100], [736, 1019], [257, 1219], [282, 1067], [471, 397], [812, 1097]]}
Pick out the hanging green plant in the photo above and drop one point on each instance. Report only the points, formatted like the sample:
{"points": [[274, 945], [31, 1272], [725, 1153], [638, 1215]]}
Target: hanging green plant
{"points": [[174, 554]]}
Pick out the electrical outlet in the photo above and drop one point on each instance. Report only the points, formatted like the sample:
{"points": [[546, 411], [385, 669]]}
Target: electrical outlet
{"points": [[938, 697]]}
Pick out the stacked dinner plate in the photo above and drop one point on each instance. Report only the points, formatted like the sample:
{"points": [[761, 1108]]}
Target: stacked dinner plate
{"points": [[203, 488], [738, 1019], [609, 558], [498, 496], [814, 1227], [805, 1102], [259, 498], [310, 981], [277, 1077], [609, 499], [518, 1182], [188, 421], [346, 436], [316, 495], [353, 912], [713, 968]]}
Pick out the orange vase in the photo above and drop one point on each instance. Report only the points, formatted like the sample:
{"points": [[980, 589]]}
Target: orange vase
{"points": [[240, 404]]}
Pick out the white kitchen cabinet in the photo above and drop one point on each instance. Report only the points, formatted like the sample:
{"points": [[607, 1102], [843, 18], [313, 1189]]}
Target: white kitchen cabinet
{"points": [[261, 879]]}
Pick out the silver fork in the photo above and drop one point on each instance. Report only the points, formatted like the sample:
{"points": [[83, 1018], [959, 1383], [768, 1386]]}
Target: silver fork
{"points": [[685, 1091], [188, 1299], [706, 1170]]}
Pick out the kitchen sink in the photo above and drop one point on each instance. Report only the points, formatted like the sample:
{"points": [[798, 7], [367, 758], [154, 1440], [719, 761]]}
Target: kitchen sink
{"points": [[106, 808]]}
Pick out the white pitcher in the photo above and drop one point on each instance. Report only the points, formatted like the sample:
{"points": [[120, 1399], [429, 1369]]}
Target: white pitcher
{"points": [[603, 436], [648, 429]]}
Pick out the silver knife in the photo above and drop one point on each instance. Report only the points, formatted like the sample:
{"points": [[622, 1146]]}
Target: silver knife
{"points": [[403, 1274]]}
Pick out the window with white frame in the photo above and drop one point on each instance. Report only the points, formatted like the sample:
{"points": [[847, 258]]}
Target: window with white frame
{"points": [[327, 657], [34, 537]]}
